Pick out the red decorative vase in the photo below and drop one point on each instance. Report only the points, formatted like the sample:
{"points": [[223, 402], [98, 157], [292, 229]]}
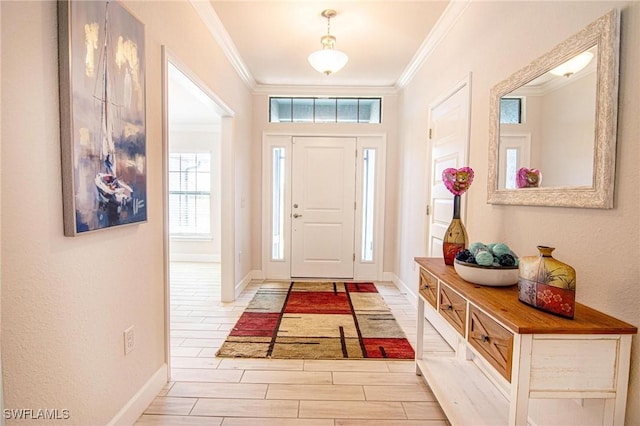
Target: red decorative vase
{"points": [[455, 239], [547, 284]]}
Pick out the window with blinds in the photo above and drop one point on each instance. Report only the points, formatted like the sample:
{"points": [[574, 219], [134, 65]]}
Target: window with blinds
{"points": [[190, 194]]}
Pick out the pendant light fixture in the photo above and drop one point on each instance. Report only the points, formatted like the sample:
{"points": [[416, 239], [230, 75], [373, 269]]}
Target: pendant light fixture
{"points": [[328, 60], [573, 65]]}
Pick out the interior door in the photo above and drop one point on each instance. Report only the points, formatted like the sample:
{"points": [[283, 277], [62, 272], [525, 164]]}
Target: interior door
{"points": [[449, 137], [323, 207]]}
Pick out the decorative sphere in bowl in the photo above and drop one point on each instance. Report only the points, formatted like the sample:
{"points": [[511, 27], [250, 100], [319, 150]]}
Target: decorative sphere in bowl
{"points": [[497, 276]]}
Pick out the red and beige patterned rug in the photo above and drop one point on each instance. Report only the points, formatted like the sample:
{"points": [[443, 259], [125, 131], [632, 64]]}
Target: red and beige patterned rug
{"points": [[317, 320]]}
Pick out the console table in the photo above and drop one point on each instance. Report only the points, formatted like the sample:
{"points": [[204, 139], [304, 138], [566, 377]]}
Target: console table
{"points": [[511, 361]]}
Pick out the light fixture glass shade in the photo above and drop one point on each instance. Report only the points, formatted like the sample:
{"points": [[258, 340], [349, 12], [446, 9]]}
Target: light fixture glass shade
{"points": [[328, 61], [573, 65]]}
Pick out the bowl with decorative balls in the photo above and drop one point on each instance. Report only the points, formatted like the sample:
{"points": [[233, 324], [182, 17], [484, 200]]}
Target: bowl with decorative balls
{"points": [[492, 264]]}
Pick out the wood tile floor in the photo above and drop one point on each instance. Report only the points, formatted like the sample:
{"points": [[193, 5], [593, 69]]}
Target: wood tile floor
{"points": [[205, 390]]}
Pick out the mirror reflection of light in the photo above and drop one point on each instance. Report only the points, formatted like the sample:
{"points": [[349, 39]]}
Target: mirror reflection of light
{"points": [[573, 65]]}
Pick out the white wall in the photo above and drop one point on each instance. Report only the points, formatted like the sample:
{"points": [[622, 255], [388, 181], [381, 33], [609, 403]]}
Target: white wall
{"points": [[64, 306], [568, 133], [492, 40]]}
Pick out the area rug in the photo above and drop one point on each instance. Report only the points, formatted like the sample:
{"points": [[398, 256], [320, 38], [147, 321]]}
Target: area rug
{"points": [[317, 320]]}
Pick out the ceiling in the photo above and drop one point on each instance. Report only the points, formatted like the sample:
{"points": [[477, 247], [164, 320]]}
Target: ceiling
{"points": [[269, 41], [272, 39], [188, 103]]}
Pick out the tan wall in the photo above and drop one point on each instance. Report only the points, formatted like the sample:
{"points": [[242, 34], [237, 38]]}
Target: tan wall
{"points": [[66, 301], [492, 40]]}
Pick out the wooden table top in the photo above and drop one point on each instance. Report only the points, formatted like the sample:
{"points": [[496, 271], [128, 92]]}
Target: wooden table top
{"points": [[504, 305]]}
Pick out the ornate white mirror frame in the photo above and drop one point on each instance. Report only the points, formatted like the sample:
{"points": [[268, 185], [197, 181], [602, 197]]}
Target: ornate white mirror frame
{"points": [[605, 33]]}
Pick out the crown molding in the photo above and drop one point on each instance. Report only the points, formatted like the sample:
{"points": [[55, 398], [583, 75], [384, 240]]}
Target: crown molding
{"points": [[205, 11], [553, 84], [454, 10], [328, 91]]}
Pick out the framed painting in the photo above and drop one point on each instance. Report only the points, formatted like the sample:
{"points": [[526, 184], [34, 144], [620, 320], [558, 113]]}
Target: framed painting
{"points": [[102, 116]]}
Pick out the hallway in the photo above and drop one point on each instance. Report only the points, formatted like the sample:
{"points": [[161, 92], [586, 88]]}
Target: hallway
{"points": [[206, 390]]}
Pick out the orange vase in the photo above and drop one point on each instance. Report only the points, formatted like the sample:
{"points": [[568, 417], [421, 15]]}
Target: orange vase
{"points": [[547, 284]]}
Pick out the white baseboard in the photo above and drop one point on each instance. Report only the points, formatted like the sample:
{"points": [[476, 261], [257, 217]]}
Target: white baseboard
{"points": [[390, 276], [404, 288], [243, 283], [134, 408]]}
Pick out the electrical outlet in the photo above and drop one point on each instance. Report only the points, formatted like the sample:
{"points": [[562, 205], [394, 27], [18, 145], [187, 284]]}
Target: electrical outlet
{"points": [[129, 340]]}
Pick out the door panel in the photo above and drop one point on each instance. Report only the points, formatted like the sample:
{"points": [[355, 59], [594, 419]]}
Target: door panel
{"points": [[449, 136], [323, 200]]}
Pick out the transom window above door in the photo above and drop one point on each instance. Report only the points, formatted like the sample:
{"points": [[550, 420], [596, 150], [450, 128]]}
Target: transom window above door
{"points": [[325, 110]]}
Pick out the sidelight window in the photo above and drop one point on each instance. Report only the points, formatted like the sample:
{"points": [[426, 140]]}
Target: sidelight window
{"points": [[277, 202], [368, 203]]}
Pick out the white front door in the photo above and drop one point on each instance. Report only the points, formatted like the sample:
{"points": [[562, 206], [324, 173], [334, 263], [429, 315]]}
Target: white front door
{"points": [[323, 207], [449, 137]]}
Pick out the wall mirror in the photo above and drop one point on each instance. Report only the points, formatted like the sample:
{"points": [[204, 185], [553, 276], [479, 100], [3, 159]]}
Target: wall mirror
{"points": [[553, 124]]}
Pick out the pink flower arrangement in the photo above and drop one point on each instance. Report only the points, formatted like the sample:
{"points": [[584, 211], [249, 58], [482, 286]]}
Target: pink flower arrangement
{"points": [[459, 180]]}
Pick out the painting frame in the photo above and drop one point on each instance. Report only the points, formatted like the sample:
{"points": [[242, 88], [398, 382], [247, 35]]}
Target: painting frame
{"points": [[101, 52]]}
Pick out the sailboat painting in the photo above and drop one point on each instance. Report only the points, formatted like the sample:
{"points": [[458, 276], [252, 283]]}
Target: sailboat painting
{"points": [[102, 111]]}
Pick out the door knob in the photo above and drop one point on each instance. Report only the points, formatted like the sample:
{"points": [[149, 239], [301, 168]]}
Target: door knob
{"points": [[296, 215]]}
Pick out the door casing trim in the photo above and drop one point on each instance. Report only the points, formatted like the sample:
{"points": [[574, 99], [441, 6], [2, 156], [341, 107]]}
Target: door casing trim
{"points": [[281, 269]]}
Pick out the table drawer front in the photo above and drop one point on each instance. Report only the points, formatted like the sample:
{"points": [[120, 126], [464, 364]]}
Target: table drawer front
{"points": [[491, 340], [582, 364], [453, 308], [429, 287]]}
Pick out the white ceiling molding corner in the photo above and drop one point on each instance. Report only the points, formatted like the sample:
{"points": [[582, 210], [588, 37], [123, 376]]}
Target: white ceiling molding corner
{"points": [[205, 10], [454, 10]]}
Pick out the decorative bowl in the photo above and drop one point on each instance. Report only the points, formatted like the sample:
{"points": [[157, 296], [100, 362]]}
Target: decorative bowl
{"points": [[496, 276]]}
